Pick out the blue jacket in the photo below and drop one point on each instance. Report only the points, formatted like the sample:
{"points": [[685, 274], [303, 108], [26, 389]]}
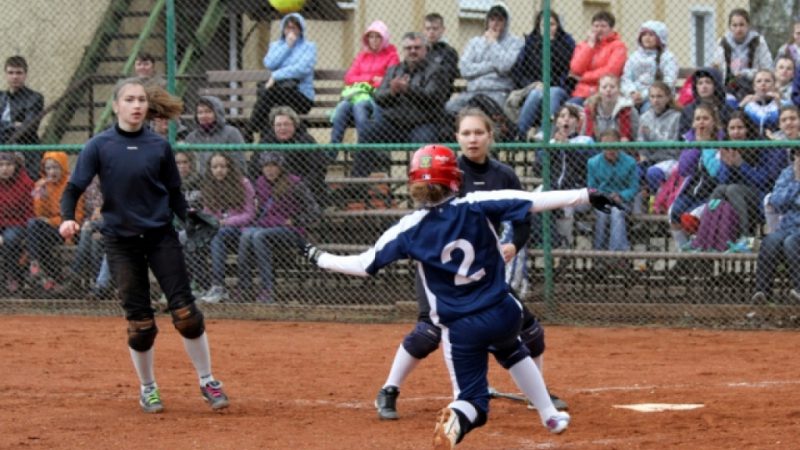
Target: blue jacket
{"points": [[296, 62], [621, 177], [785, 199], [528, 66]]}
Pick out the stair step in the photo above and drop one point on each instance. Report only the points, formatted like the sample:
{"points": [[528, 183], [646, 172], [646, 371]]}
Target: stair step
{"points": [[135, 14], [136, 36], [114, 58]]}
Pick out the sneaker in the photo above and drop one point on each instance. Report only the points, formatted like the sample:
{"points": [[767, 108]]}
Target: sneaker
{"points": [[150, 400], [213, 394], [386, 403], [447, 430], [559, 404], [557, 423], [215, 295], [795, 294]]}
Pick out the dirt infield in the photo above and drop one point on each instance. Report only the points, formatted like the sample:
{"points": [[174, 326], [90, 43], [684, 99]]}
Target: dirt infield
{"points": [[67, 382]]}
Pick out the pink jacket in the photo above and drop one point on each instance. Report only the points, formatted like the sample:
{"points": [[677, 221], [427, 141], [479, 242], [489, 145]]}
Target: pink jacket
{"points": [[607, 57], [367, 64]]}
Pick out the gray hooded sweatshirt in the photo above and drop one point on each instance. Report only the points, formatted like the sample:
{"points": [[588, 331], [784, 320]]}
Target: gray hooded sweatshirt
{"points": [[219, 133]]}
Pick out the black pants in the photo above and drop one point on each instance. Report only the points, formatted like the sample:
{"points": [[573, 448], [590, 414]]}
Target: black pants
{"points": [[129, 259], [276, 96]]}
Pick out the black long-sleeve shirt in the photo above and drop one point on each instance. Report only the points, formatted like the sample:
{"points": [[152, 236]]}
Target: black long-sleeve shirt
{"points": [[139, 180]]}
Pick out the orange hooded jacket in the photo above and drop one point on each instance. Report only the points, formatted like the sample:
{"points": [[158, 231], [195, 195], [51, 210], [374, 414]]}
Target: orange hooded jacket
{"points": [[47, 194]]}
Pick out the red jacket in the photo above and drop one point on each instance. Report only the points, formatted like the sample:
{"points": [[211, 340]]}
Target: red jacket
{"points": [[16, 203], [367, 65], [607, 57]]}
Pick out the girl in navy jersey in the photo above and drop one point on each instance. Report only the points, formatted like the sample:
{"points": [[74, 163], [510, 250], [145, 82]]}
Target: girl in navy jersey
{"points": [[462, 271], [141, 189]]}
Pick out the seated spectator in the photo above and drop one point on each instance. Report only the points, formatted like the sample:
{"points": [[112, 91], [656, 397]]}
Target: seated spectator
{"points": [[285, 208], [291, 60], [145, 68], [567, 170], [209, 116], [651, 61], [706, 87], [612, 172], [784, 243], [602, 53], [89, 254], [608, 110], [784, 75], [789, 130], [699, 168], [16, 208], [20, 112], [527, 74], [487, 60], [740, 53], [362, 78], [791, 49], [43, 236], [746, 175], [190, 180], [439, 51], [227, 195], [411, 98], [658, 124], [764, 104], [311, 165]]}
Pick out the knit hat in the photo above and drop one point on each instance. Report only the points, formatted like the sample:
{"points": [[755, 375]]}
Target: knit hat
{"points": [[271, 158]]}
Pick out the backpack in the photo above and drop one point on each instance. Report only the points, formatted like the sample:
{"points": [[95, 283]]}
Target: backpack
{"points": [[667, 193], [719, 225]]}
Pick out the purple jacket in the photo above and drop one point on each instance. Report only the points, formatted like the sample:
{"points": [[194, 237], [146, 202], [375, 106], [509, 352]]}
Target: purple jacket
{"points": [[295, 209], [242, 217]]}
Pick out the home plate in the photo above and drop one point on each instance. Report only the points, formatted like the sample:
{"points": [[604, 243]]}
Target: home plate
{"points": [[660, 407]]}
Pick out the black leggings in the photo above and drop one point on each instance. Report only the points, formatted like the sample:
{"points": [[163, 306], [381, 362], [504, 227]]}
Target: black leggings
{"points": [[276, 96], [129, 259]]}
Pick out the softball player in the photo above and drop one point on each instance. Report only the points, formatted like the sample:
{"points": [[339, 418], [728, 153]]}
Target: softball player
{"points": [[463, 275], [142, 190], [480, 173]]}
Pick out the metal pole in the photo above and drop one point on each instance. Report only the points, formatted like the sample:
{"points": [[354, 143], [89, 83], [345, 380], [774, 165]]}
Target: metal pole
{"points": [[547, 244], [170, 57]]}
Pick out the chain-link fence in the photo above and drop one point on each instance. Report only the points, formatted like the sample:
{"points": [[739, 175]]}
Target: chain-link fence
{"points": [[306, 123]]}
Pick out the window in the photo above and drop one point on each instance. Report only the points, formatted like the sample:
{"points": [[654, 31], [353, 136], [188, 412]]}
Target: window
{"points": [[474, 9], [703, 38]]}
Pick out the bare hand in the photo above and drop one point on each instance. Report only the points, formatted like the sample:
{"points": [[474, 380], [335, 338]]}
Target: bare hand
{"points": [[509, 252], [68, 229], [491, 35], [291, 38], [591, 38], [399, 85]]}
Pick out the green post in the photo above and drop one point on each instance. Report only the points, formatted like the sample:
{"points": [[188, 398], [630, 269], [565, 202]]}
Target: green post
{"points": [[547, 245], [170, 57]]}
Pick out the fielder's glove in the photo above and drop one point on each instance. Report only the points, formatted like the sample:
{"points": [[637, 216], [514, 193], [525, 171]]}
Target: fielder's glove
{"points": [[200, 229], [310, 251], [603, 202]]}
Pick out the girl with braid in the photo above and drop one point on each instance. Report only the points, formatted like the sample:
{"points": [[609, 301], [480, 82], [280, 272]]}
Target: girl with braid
{"points": [[650, 62], [141, 189]]}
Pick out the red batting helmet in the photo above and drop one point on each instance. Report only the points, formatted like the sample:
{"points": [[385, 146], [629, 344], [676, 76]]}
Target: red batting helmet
{"points": [[435, 164]]}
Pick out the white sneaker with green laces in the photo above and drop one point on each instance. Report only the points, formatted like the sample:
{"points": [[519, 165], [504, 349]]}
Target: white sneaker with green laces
{"points": [[150, 400]]}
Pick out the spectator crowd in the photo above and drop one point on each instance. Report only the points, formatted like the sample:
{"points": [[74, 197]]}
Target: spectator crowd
{"points": [[717, 197]]}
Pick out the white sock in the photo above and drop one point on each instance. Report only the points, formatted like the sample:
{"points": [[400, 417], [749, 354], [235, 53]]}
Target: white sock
{"points": [[198, 352], [530, 381], [402, 366], [143, 363], [539, 361]]}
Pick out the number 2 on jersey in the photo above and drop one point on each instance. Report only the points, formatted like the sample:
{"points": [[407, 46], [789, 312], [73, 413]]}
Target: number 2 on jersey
{"points": [[462, 277]]}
